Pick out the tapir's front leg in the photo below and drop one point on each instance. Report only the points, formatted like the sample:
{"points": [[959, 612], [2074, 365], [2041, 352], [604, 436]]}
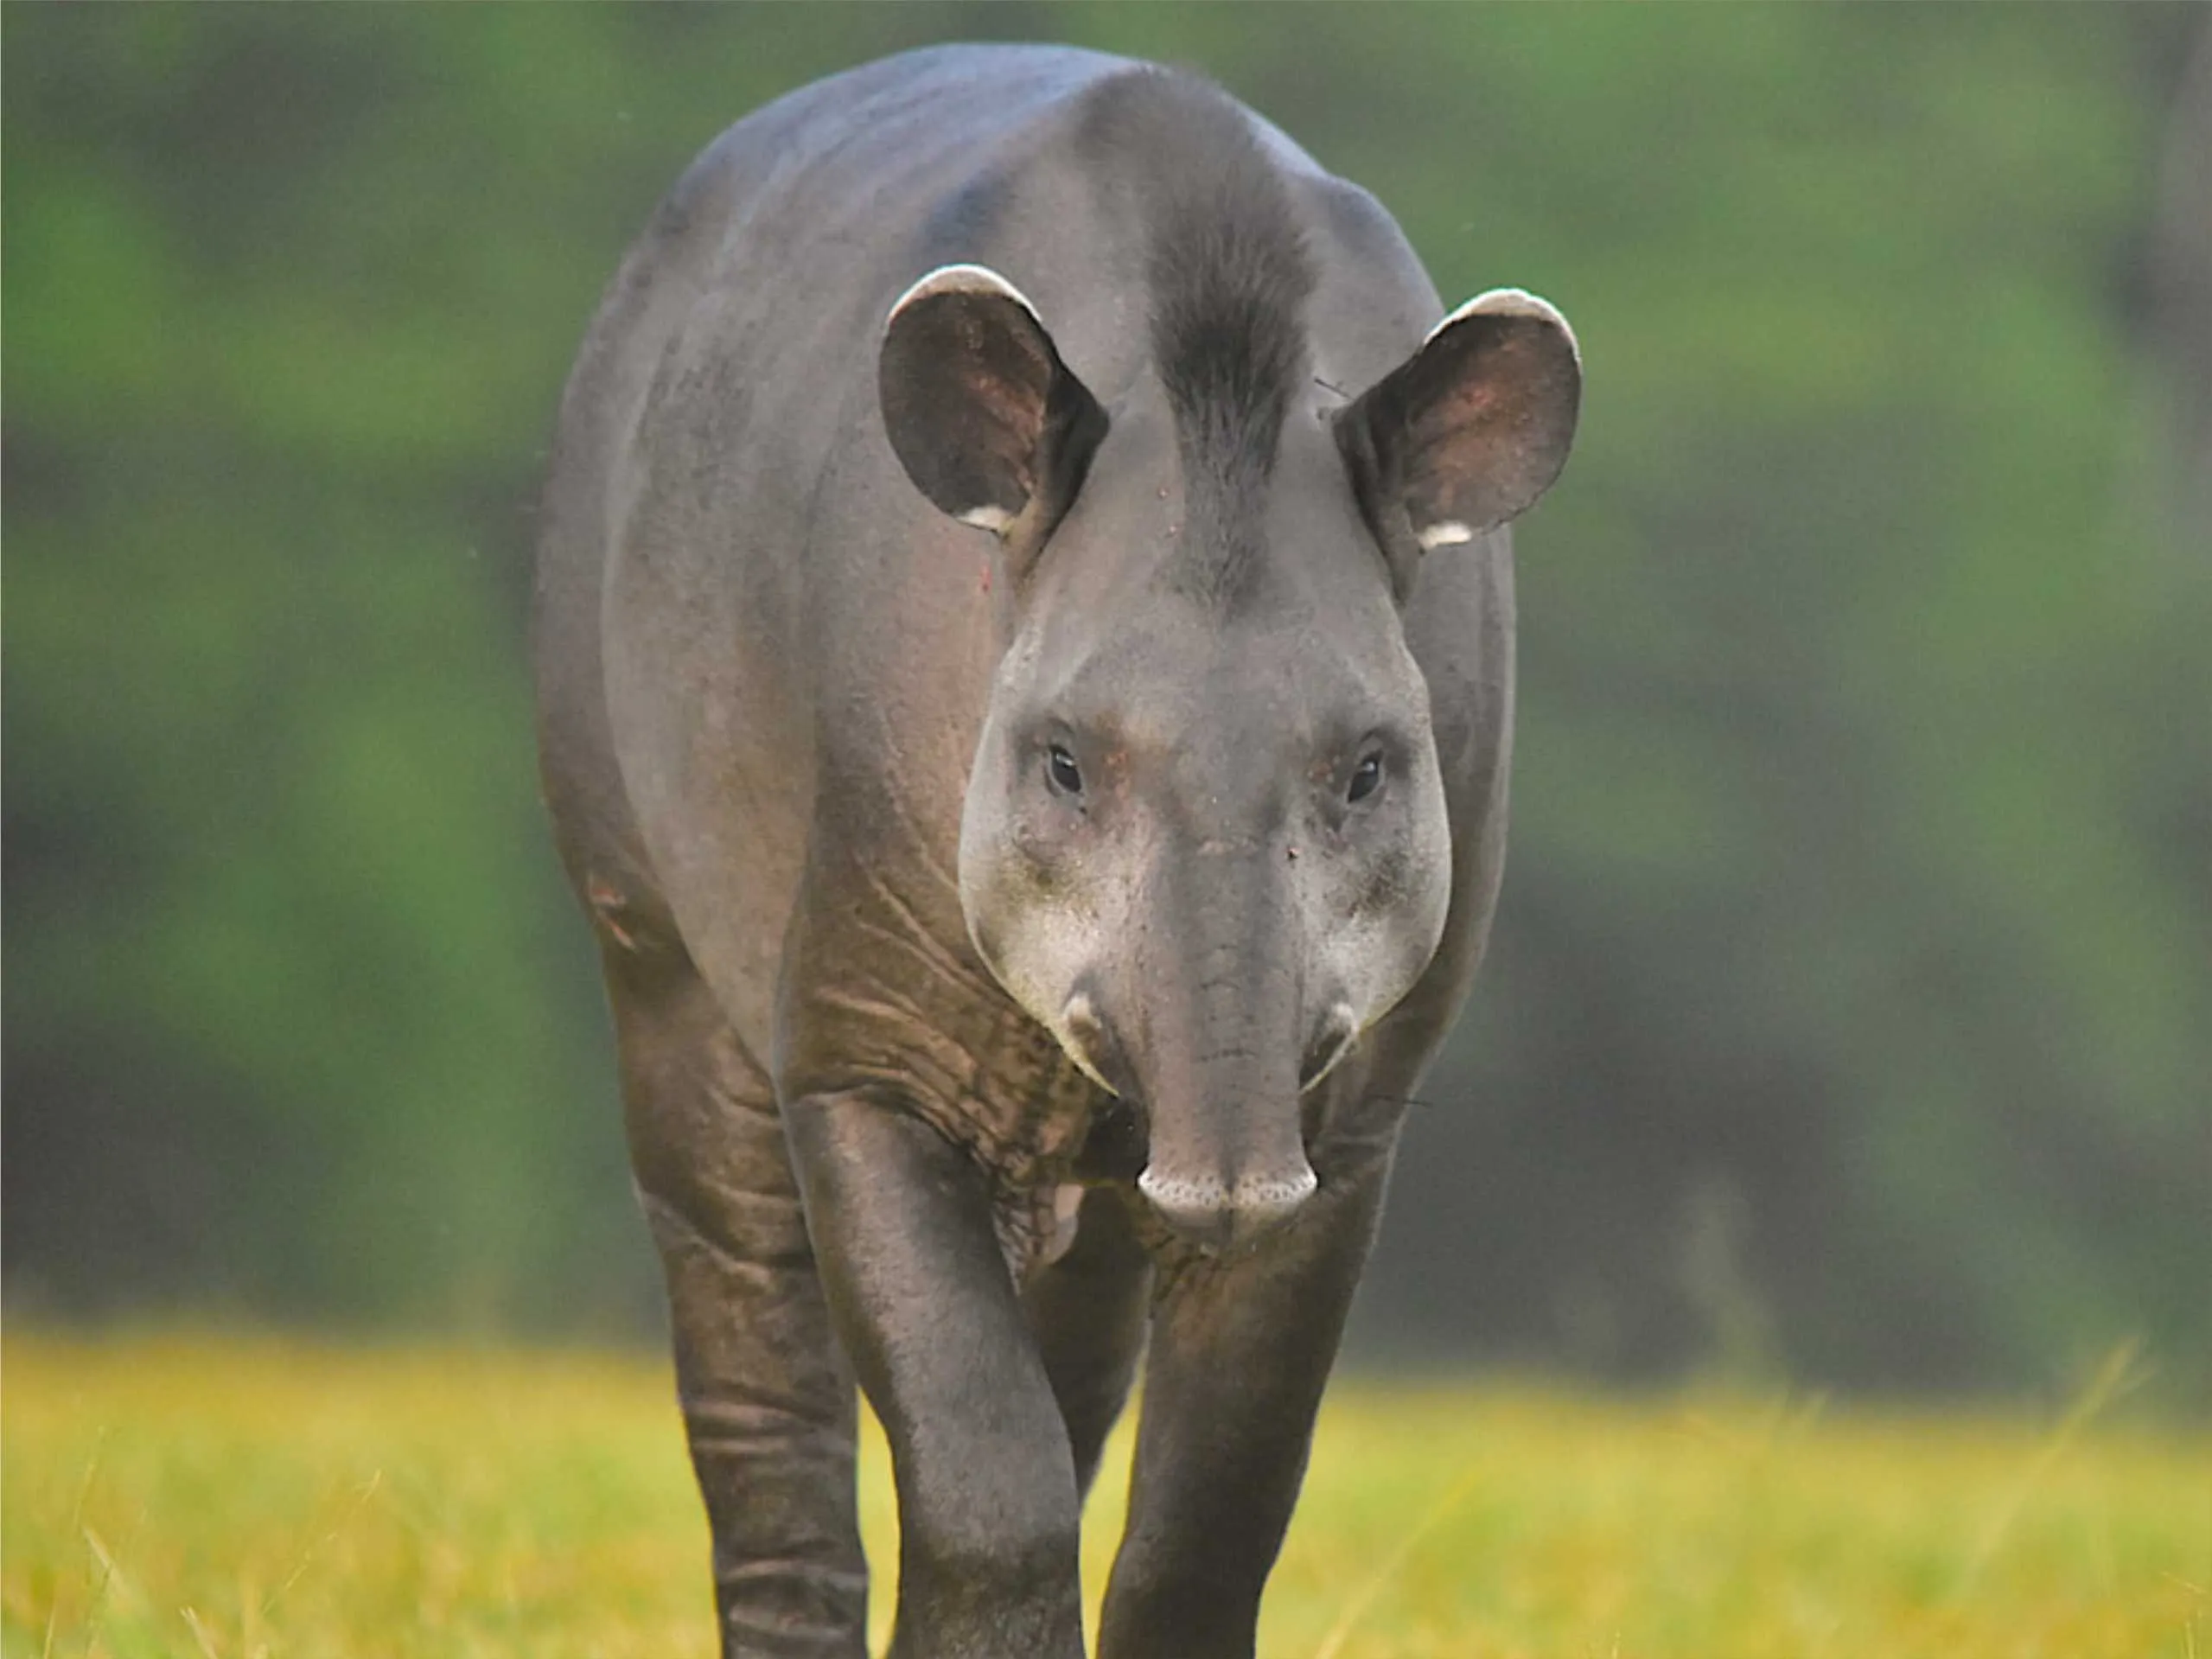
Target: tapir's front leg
{"points": [[990, 1520], [1241, 1348]]}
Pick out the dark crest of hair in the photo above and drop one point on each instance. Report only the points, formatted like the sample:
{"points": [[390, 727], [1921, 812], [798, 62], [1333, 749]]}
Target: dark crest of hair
{"points": [[1229, 275]]}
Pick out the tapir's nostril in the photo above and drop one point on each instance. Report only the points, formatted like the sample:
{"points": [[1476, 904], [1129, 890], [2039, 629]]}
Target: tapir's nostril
{"points": [[1216, 1214]]}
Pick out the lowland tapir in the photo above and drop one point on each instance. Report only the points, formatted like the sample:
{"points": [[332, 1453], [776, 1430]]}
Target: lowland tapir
{"points": [[1025, 655]]}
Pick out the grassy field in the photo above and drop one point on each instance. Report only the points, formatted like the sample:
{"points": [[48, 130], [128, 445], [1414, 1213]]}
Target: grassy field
{"points": [[173, 1496]]}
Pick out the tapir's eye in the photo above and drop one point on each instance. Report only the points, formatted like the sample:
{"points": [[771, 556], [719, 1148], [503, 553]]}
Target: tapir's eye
{"points": [[1367, 778], [1059, 767]]}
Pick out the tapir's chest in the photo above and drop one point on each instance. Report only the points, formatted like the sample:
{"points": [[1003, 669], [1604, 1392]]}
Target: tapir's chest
{"points": [[880, 999]]}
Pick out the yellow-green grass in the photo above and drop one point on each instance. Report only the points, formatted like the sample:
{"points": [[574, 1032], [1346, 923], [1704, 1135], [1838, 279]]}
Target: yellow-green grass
{"points": [[170, 1495]]}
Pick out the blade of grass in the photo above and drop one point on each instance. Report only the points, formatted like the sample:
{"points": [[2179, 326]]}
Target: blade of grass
{"points": [[1363, 1598], [199, 1628], [107, 1577], [315, 1546], [2112, 1378], [76, 1524]]}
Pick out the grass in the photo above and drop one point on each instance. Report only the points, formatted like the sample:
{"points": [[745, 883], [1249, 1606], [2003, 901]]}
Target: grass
{"points": [[170, 1495]]}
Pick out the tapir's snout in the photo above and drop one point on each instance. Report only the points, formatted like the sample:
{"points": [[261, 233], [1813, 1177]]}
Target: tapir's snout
{"points": [[1216, 1214], [1223, 1159], [1206, 1031]]}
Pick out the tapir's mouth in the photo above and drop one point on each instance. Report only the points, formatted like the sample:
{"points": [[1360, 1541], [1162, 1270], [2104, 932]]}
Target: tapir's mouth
{"points": [[1206, 1211], [1117, 1148]]}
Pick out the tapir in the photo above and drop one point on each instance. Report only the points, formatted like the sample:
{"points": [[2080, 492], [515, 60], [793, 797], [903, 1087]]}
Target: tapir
{"points": [[1024, 637]]}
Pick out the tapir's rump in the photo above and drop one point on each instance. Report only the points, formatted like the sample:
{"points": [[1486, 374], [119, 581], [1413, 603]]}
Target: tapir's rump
{"points": [[1023, 638]]}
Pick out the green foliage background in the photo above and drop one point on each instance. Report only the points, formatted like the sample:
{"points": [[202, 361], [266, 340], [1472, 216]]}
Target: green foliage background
{"points": [[1851, 1008]]}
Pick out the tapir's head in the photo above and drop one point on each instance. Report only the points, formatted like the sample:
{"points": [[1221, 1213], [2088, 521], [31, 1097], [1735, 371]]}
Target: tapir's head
{"points": [[1205, 840]]}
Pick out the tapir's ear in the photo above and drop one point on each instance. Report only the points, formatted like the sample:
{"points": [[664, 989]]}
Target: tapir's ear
{"points": [[988, 421], [1468, 431]]}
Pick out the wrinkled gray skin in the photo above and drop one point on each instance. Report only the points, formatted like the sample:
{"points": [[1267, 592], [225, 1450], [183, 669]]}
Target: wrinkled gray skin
{"points": [[965, 762]]}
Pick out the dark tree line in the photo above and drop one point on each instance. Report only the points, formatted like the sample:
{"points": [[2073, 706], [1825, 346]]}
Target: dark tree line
{"points": [[1850, 1013]]}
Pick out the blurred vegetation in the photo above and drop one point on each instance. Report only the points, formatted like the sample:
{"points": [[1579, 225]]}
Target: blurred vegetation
{"points": [[175, 1497], [1850, 1013]]}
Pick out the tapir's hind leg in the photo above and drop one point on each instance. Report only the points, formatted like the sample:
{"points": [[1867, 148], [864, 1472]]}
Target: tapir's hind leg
{"points": [[768, 1400]]}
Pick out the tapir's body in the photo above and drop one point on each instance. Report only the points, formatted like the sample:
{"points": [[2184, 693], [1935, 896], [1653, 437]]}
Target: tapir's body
{"points": [[976, 957]]}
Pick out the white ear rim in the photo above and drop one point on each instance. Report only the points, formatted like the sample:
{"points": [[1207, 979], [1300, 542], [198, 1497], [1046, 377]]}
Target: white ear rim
{"points": [[1506, 301], [962, 279], [1445, 532]]}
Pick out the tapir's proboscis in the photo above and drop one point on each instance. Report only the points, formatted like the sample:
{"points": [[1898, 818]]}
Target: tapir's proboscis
{"points": [[1024, 651]]}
